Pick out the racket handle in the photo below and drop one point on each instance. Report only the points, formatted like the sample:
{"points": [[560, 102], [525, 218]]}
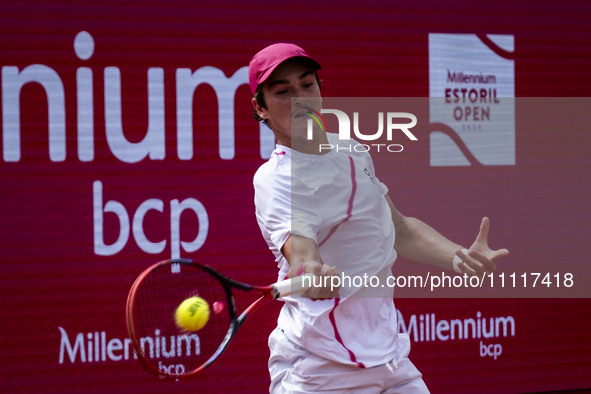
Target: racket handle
{"points": [[296, 285]]}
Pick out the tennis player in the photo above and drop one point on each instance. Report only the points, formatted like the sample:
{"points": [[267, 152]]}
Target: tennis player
{"points": [[325, 212]]}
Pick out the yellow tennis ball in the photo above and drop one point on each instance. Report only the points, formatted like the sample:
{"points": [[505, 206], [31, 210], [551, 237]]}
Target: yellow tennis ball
{"points": [[192, 314]]}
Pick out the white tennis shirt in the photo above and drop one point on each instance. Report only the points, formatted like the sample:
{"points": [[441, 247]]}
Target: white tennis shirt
{"points": [[336, 200]]}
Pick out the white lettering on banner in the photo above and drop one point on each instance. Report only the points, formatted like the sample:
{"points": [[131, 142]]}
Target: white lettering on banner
{"points": [[430, 329], [177, 369], [12, 83], [492, 350], [153, 144], [176, 209], [85, 119], [65, 345], [157, 345], [225, 89], [113, 346], [98, 349], [112, 206], [138, 226], [84, 49]]}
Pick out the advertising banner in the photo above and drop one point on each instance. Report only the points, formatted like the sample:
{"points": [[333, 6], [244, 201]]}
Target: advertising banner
{"points": [[127, 138]]}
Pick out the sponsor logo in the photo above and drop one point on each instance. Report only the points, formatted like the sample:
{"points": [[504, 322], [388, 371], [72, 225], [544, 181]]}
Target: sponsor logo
{"points": [[427, 328], [97, 347], [152, 146], [472, 90], [135, 226]]}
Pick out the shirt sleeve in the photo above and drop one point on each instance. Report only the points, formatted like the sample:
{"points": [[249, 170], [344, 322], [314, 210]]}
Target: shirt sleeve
{"points": [[273, 207], [305, 218], [285, 206]]}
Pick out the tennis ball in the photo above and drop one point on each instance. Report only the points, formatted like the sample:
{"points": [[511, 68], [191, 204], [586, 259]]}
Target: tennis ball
{"points": [[192, 314]]}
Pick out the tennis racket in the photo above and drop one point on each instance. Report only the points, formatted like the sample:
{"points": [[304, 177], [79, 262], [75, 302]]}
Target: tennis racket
{"points": [[169, 352]]}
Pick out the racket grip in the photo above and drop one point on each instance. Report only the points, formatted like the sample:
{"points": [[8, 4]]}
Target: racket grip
{"points": [[296, 285]]}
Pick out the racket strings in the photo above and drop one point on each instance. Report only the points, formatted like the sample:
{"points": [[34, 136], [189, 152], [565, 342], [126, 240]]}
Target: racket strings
{"points": [[165, 347]]}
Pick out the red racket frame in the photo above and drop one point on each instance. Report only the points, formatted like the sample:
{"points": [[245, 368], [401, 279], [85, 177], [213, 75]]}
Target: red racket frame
{"points": [[268, 293]]}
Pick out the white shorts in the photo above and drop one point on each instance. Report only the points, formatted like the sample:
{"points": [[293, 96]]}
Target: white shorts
{"points": [[294, 370]]}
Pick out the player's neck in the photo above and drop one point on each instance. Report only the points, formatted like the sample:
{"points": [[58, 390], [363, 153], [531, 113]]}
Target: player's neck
{"points": [[303, 145]]}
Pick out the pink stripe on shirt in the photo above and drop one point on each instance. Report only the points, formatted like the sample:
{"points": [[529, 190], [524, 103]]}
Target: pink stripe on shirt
{"points": [[338, 336], [332, 231], [349, 208]]}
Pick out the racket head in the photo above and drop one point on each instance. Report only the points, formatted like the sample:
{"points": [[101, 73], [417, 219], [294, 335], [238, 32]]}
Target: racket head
{"points": [[162, 348]]}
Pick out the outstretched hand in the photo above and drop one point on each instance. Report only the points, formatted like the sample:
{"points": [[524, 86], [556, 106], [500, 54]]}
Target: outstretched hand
{"points": [[481, 259]]}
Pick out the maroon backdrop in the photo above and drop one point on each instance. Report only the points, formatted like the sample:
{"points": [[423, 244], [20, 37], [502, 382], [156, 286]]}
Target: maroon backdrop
{"points": [[57, 292]]}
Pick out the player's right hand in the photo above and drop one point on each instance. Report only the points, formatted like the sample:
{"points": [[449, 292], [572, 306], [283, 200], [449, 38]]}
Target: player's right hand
{"points": [[324, 274], [481, 259]]}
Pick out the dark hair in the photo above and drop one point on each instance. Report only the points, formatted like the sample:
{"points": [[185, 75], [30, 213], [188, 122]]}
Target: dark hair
{"points": [[260, 100]]}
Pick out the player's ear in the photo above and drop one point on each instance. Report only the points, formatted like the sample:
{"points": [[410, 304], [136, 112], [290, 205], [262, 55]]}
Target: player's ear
{"points": [[261, 111]]}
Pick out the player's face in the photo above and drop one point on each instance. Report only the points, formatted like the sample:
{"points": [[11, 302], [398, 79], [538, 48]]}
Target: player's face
{"points": [[292, 79]]}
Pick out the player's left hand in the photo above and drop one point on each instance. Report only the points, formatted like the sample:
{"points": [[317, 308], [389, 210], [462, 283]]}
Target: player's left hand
{"points": [[481, 259]]}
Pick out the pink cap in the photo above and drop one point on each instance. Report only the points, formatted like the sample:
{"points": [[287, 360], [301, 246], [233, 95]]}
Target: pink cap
{"points": [[264, 62]]}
